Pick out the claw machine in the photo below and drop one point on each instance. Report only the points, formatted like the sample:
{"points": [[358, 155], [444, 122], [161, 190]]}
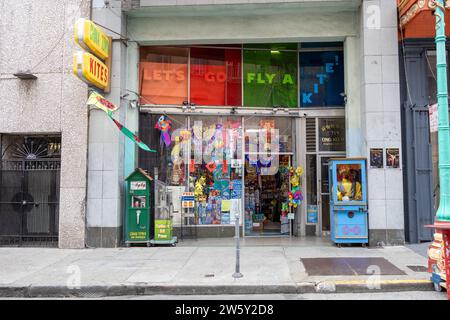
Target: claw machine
{"points": [[137, 219], [349, 219]]}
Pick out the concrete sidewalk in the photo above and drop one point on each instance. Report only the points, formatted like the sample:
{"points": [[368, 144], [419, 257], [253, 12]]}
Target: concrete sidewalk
{"points": [[269, 266]]}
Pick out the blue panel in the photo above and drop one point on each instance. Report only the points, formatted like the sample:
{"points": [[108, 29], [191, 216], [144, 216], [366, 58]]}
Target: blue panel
{"points": [[322, 79], [349, 219]]}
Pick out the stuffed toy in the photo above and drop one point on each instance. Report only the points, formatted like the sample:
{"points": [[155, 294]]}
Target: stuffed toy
{"points": [[199, 189]]}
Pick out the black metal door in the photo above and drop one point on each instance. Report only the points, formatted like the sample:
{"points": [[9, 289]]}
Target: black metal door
{"points": [[29, 202]]}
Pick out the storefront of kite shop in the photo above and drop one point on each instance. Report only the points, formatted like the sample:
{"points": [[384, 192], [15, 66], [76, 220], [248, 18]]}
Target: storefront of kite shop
{"points": [[228, 125]]}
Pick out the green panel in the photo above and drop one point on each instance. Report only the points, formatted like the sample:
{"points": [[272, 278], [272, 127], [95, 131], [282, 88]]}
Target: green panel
{"points": [[270, 78], [138, 231], [163, 229]]}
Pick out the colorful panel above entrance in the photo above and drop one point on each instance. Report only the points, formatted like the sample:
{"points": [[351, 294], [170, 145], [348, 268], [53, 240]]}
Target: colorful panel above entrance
{"points": [[251, 75]]}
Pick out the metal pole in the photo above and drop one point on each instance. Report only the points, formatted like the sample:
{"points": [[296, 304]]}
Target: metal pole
{"points": [[443, 213], [237, 273]]}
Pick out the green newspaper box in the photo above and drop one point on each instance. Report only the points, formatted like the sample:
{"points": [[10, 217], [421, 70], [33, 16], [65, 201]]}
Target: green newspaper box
{"points": [[137, 218]]}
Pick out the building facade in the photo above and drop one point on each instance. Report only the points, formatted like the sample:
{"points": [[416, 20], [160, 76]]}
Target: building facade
{"points": [[43, 125], [211, 65], [418, 92], [322, 77]]}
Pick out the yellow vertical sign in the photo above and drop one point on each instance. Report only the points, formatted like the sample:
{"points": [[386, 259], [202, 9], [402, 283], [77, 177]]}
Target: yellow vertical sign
{"points": [[91, 38], [92, 65]]}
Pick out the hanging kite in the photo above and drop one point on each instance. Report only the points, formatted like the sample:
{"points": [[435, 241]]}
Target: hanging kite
{"points": [[164, 125], [98, 101]]}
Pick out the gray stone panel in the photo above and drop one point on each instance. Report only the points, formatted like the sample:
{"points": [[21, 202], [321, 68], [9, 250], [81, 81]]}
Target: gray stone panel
{"points": [[389, 237], [38, 36], [103, 237]]}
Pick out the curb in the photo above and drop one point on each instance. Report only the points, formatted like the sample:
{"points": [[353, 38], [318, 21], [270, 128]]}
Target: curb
{"points": [[142, 290], [362, 286]]}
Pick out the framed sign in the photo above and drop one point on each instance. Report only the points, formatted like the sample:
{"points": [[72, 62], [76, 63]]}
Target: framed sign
{"points": [[138, 185], [393, 158], [376, 158], [332, 134]]}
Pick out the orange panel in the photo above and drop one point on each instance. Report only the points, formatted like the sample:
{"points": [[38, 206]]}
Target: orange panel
{"points": [[423, 26]]}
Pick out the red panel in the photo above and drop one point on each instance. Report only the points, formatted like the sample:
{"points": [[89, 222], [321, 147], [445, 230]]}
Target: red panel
{"points": [[234, 77], [215, 77], [423, 26], [163, 75]]}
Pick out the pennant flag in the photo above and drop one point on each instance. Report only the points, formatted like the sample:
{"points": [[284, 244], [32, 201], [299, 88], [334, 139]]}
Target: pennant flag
{"points": [[97, 100], [131, 135]]}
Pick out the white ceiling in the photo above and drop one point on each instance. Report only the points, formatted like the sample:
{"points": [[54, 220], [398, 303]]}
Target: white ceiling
{"points": [[153, 8]]}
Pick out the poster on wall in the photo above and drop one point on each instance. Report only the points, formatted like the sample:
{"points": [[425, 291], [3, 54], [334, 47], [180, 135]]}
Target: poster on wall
{"points": [[393, 158], [433, 114], [311, 214], [376, 158]]}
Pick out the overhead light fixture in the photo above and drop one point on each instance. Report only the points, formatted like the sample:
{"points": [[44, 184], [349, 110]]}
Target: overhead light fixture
{"points": [[274, 51], [25, 75]]}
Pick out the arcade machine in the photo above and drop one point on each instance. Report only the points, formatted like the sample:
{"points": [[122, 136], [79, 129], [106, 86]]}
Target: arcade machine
{"points": [[348, 201]]}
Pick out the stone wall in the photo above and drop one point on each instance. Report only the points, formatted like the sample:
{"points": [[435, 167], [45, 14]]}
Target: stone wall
{"points": [[37, 36]]}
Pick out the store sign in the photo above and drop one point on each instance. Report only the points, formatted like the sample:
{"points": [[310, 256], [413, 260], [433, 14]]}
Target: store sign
{"points": [[188, 200], [91, 38], [332, 134], [138, 185], [269, 78], [90, 69]]}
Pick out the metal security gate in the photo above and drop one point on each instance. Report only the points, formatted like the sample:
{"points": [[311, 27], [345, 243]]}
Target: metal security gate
{"points": [[417, 166], [29, 202]]}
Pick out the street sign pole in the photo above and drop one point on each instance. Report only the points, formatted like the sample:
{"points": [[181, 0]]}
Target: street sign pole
{"points": [[443, 212], [442, 219], [237, 273]]}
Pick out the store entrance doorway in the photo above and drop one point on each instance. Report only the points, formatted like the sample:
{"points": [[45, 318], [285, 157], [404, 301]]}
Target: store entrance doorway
{"points": [[266, 200], [268, 155]]}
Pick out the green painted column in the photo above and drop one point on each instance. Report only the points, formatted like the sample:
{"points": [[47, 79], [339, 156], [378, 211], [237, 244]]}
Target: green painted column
{"points": [[443, 213]]}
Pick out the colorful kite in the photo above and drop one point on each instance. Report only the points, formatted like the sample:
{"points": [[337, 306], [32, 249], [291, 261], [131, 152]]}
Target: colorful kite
{"points": [[100, 102], [164, 125]]}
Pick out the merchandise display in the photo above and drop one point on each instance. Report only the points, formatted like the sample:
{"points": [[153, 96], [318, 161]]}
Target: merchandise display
{"points": [[205, 156], [295, 195], [267, 198]]}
